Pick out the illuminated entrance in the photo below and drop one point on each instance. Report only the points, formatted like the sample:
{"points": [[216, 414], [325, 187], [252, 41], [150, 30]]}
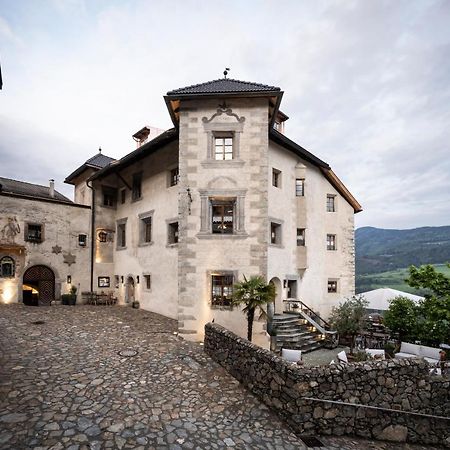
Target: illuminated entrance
{"points": [[38, 286]]}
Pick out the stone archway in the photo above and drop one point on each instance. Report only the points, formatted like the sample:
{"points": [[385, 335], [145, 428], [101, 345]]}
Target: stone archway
{"points": [[279, 307], [41, 279], [130, 290]]}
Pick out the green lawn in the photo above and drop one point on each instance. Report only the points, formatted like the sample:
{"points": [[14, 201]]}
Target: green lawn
{"points": [[393, 279]]}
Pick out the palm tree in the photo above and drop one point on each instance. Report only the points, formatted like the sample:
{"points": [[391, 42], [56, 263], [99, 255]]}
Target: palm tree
{"points": [[254, 293]]}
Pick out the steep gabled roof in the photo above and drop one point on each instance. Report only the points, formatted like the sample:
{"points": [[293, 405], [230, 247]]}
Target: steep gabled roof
{"points": [[97, 162], [224, 85], [34, 191]]}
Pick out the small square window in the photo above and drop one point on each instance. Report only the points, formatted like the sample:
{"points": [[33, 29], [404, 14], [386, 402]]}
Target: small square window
{"points": [[300, 187], [82, 240], [172, 237], [331, 203], [174, 176], [222, 290], [332, 286], [276, 178], [223, 147], [300, 237], [136, 191], [147, 282], [34, 232], [275, 233], [331, 242]]}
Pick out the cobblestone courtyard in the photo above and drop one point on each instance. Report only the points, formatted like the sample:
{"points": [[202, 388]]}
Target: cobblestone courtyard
{"points": [[63, 385]]}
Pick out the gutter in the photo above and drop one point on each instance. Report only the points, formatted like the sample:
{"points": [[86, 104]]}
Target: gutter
{"points": [[92, 234]]}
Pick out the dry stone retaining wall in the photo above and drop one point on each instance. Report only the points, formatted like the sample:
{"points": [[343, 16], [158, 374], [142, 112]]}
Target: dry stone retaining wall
{"points": [[394, 400]]}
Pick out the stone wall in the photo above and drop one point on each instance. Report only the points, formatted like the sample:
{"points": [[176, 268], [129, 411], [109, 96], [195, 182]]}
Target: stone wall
{"points": [[389, 400]]}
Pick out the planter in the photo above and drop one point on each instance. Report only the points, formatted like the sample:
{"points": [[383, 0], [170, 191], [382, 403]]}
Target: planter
{"points": [[68, 299], [135, 305]]}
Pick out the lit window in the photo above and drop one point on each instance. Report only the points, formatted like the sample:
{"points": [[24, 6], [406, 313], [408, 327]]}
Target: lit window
{"points": [[299, 187], [136, 191], [172, 237], [332, 286], [331, 242], [331, 203], [275, 233], [276, 178], [6, 267], [222, 290], [223, 148], [222, 216], [300, 237], [148, 281], [33, 232], [174, 176], [82, 240]]}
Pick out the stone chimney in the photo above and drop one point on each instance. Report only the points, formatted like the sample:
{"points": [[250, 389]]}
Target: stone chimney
{"points": [[52, 188]]}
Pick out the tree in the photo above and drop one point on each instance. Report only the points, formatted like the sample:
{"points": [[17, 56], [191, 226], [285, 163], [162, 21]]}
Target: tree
{"points": [[402, 317], [348, 318], [434, 310], [254, 293]]}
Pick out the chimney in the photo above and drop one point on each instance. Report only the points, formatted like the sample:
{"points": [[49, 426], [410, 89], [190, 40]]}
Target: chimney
{"points": [[52, 188]]}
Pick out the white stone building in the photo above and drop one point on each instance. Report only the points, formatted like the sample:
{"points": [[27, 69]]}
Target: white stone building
{"points": [[221, 195]]}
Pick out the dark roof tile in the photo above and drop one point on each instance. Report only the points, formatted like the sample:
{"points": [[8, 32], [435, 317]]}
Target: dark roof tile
{"points": [[223, 86], [99, 160], [9, 186]]}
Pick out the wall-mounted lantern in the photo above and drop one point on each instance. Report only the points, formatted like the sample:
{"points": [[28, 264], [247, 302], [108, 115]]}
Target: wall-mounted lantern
{"points": [[121, 279], [69, 279]]}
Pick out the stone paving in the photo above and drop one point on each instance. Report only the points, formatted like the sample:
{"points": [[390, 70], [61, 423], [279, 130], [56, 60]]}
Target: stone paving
{"points": [[64, 385]]}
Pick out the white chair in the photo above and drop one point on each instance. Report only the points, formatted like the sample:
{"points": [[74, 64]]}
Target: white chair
{"points": [[291, 355], [342, 357]]}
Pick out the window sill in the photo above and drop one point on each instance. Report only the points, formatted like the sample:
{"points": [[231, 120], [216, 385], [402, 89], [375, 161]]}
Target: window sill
{"points": [[218, 236], [276, 245], [118, 249], [134, 200], [175, 244], [221, 308], [108, 207], [213, 163], [145, 244]]}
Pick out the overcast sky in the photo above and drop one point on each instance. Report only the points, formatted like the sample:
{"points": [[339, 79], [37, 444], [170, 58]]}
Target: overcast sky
{"points": [[367, 85]]}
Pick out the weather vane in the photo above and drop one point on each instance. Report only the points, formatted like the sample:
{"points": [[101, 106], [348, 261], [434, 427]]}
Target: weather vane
{"points": [[225, 72]]}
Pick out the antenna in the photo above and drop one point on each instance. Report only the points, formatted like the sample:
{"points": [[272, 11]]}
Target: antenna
{"points": [[225, 72]]}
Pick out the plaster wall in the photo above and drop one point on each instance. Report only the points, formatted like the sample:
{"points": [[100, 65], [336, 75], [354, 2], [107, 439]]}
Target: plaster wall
{"points": [[61, 224]]}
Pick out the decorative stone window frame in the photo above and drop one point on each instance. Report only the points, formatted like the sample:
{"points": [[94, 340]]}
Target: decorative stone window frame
{"points": [[26, 237], [120, 222], [213, 130], [279, 222], [142, 217], [146, 276], [206, 196], [209, 275], [7, 260], [169, 222]]}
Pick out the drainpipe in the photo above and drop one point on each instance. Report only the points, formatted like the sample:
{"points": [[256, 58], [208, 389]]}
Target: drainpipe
{"points": [[92, 232]]}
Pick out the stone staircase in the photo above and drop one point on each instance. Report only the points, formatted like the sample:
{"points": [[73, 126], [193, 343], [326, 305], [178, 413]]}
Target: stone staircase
{"points": [[294, 332]]}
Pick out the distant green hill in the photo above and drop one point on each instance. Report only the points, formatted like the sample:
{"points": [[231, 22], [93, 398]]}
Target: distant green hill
{"points": [[379, 250]]}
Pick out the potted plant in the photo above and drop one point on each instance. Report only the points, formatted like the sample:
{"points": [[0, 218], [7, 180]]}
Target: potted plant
{"points": [[135, 304], [71, 298]]}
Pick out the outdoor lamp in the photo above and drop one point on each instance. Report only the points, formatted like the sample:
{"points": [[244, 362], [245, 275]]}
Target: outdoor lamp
{"points": [[69, 279]]}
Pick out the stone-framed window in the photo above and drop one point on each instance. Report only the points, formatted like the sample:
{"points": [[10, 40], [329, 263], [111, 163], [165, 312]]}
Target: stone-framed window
{"points": [[331, 203], [136, 187], [7, 267], [146, 228], [34, 232], [223, 144], [332, 285], [300, 187], [222, 289], [301, 237], [121, 234], [109, 196], [172, 232], [331, 242], [276, 178], [222, 213], [275, 235], [147, 281], [174, 176], [82, 240]]}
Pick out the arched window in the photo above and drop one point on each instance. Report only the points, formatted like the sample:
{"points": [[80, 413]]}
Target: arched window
{"points": [[6, 267]]}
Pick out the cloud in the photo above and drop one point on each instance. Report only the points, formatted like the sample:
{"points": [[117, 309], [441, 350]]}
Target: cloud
{"points": [[367, 84]]}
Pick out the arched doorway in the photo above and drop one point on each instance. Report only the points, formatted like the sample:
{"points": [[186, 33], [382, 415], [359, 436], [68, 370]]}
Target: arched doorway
{"points": [[279, 307], [129, 290], [39, 282]]}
